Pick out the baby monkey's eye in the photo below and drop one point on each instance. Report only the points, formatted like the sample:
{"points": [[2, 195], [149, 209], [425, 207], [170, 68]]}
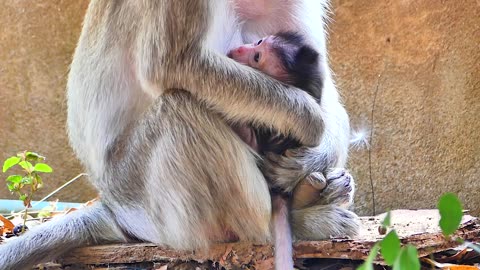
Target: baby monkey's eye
{"points": [[260, 41], [256, 57]]}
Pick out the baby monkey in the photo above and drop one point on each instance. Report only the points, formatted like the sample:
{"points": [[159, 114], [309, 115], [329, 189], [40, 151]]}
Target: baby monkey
{"points": [[286, 57]]}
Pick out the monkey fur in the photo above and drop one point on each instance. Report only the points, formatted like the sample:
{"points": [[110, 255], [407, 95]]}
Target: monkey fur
{"points": [[150, 92]]}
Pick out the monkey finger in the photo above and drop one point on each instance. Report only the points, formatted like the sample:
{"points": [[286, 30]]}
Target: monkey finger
{"points": [[304, 195], [317, 180], [290, 153], [335, 173]]}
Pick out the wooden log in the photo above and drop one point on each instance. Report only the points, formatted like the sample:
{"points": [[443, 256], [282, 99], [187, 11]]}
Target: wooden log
{"points": [[416, 227]]}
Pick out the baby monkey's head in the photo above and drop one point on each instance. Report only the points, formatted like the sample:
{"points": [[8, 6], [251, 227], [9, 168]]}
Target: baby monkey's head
{"points": [[287, 57]]}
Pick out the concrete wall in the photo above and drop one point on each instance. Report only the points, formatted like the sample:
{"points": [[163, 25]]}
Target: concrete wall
{"points": [[37, 40], [408, 70]]}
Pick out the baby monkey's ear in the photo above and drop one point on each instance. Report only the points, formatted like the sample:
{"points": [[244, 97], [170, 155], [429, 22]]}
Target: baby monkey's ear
{"points": [[307, 54]]}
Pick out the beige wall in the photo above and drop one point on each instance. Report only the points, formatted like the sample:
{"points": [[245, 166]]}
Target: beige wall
{"points": [[414, 64], [37, 39]]}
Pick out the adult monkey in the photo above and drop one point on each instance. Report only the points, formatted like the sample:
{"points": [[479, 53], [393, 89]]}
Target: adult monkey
{"points": [[165, 162]]}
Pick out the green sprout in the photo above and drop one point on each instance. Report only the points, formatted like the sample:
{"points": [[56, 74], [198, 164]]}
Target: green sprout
{"points": [[27, 183]]}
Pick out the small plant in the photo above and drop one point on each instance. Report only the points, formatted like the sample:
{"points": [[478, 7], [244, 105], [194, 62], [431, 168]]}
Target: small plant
{"points": [[406, 257], [27, 183]]}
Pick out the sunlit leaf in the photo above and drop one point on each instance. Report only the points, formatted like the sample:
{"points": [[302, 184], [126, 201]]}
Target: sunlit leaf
{"points": [[26, 165], [407, 259], [39, 181], [390, 247], [42, 167], [368, 264], [22, 197], [14, 179], [451, 213], [32, 156], [46, 211], [11, 187], [387, 220], [27, 180], [10, 162]]}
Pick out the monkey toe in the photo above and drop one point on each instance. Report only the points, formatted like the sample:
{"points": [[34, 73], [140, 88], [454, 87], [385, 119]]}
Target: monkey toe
{"points": [[340, 188], [317, 180], [324, 221], [336, 173]]}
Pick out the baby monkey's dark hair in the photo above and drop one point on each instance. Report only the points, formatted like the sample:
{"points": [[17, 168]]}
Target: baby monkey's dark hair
{"points": [[300, 60]]}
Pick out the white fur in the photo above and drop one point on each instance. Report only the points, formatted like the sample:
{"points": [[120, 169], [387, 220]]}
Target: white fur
{"points": [[360, 138]]}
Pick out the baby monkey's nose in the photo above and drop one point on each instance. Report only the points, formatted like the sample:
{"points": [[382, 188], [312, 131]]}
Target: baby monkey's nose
{"points": [[241, 50], [235, 53]]}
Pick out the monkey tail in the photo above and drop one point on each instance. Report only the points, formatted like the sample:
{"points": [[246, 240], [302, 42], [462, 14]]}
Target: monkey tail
{"points": [[282, 234], [86, 226]]}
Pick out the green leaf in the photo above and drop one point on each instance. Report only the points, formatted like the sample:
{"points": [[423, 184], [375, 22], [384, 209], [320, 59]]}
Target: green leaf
{"points": [[10, 162], [42, 167], [32, 156], [14, 179], [11, 187], [387, 220], [27, 180], [46, 211], [26, 165], [39, 181], [451, 213], [407, 259], [390, 247], [23, 197], [367, 265]]}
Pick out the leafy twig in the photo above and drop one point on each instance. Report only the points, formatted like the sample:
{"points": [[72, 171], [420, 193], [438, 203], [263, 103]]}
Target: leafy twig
{"points": [[27, 183]]}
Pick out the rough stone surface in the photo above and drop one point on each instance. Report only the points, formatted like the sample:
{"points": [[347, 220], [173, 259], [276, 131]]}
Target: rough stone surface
{"points": [[408, 70]]}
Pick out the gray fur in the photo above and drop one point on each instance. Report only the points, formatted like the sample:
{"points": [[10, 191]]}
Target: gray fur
{"points": [[333, 220], [86, 226], [339, 190], [149, 95]]}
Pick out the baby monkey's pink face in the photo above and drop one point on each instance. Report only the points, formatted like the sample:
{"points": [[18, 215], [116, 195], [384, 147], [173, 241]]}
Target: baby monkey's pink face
{"points": [[261, 56]]}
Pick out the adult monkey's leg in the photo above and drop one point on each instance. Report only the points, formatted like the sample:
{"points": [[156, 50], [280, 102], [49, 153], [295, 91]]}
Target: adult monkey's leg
{"points": [[200, 178]]}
